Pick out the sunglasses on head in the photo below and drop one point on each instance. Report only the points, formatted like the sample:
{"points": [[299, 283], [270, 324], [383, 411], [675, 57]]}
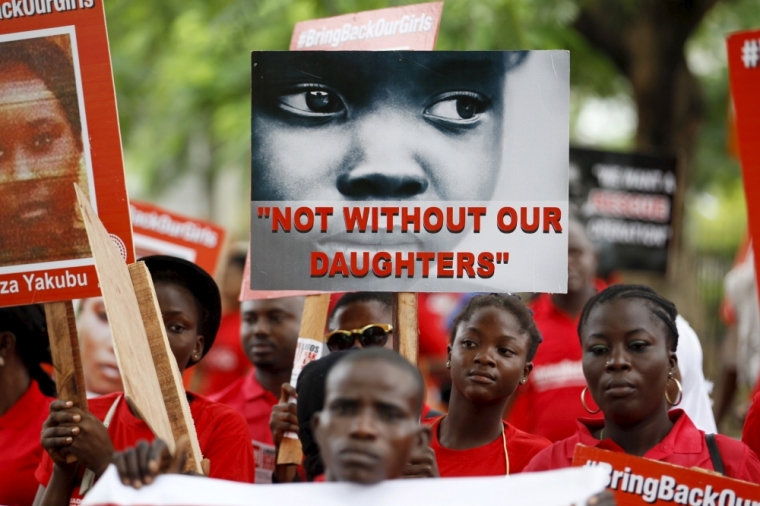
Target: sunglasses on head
{"points": [[373, 335]]}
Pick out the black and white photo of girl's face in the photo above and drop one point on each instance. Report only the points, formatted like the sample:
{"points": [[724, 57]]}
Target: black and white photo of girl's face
{"points": [[355, 126]]}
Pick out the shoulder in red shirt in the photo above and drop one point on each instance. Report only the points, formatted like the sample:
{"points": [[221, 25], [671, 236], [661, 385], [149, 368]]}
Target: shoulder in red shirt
{"points": [[751, 432], [222, 436], [486, 460], [684, 446], [20, 429]]}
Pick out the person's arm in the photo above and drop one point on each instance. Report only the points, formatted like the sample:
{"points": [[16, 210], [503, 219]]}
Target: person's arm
{"points": [[284, 419]]}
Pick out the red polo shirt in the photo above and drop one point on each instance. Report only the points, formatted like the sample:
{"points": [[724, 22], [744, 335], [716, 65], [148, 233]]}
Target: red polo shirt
{"points": [[550, 402], [751, 432], [489, 459], [222, 436], [684, 446], [248, 397], [20, 429]]}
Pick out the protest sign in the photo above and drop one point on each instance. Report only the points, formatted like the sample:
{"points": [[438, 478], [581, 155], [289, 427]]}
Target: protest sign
{"points": [[139, 339], [58, 126], [628, 202], [418, 171], [408, 27], [158, 231], [639, 482], [568, 486], [744, 70]]}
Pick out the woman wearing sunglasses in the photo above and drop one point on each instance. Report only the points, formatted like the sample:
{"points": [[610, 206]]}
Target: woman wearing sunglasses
{"points": [[361, 320]]}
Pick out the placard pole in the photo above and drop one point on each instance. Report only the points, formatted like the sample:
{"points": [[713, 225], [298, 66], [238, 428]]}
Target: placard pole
{"points": [[67, 359], [313, 323]]}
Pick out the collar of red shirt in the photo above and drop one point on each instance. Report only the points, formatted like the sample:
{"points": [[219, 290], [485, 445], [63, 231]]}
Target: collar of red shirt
{"points": [[683, 438], [19, 415], [252, 389]]}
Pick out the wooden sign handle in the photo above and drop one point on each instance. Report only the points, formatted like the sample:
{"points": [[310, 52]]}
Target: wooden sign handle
{"points": [[405, 325], [67, 359], [313, 323]]}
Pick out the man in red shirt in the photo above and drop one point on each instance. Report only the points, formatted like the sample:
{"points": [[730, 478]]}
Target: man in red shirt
{"points": [[269, 333], [549, 403]]}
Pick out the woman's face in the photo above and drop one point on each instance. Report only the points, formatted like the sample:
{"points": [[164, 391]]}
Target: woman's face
{"points": [[182, 323], [39, 153], [101, 371], [626, 360], [377, 127], [489, 355]]}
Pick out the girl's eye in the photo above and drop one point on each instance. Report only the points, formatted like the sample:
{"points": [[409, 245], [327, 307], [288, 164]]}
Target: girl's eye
{"points": [[468, 344], [312, 102], [459, 107], [506, 352], [42, 142], [598, 349], [638, 345], [176, 328]]}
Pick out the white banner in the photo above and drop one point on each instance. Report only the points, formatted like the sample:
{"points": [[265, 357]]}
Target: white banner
{"points": [[554, 488]]}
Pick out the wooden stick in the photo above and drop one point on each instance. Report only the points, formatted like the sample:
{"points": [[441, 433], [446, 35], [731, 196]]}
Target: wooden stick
{"points": [[165, 365], [405, 326], [313, 323], [142, 387], [67, 360]]}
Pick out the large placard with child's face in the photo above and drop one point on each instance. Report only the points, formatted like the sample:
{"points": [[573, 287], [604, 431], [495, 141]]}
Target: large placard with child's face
{"points": [[58, 126], [415, 171]]}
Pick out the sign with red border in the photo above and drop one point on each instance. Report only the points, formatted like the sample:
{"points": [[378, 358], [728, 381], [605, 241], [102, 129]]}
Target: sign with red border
{"points": [[58, 126], [158, 231], [409, 27], [640, 482], [744, 69]]}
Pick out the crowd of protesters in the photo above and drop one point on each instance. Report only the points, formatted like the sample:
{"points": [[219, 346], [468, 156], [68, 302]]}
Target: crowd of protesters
{"points": [[514, 386]]}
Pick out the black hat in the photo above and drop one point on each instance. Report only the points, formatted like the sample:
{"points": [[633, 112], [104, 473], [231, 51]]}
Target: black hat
{"points": [[201, 285]]}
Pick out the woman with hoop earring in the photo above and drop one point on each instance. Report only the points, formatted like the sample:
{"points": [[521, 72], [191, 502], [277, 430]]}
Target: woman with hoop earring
{"points": [[629, 338]]}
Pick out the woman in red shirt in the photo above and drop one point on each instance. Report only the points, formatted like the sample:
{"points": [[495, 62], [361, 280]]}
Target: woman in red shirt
{"points": [[493, 341], [190, 305], [26, 391], [629, 339]]}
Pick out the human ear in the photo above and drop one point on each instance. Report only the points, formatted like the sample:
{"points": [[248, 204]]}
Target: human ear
{"points": [[526, 372], [316, 428], [7, 343], [673, 369], [197, 350], [448, 358]]}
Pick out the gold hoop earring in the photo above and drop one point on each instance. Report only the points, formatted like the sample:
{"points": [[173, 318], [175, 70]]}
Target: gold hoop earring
{"points": [[679, 397], [583, 401]]}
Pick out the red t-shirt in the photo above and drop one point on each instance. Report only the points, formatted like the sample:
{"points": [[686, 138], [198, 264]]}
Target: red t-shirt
{"points": [[248, 397], [550, 402], [751, 432], [20, 429], [222, 436], [486, 460], [684, 446], [225, 362]]}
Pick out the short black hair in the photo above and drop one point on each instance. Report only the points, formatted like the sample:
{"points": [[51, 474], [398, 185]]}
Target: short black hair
{"points": [[383, 298], [391, 358], [29, 325], [660, 307], [512, 304]]}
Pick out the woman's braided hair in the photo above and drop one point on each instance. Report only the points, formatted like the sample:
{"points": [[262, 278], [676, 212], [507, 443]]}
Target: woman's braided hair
{"points": [[660, 307], [508, 302]]}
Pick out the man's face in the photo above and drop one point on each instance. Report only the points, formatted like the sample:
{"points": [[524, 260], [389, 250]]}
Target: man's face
{"points": [[360, 314], [393, 126], [269, 331], [581, 259], [370, 423]]}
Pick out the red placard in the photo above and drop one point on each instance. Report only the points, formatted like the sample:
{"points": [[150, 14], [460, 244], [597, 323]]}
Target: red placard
{"points": [[58, 126], [409, 27], [640, 482], [744, 68], [158, 231]]}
